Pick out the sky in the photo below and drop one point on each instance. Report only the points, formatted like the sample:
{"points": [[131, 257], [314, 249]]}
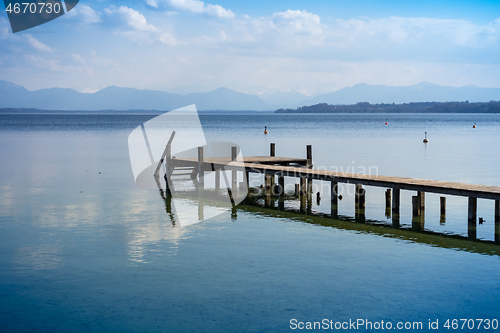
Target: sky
{"points": [[257, 47]]}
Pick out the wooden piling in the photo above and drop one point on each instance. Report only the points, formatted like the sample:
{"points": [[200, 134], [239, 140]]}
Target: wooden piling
{"points": [[442, 205], [359, 200], [272, 153], [267, 189], [472, 219], [395, 207], [303, 194], [415, 204], [281, 185], [388, 199], [297, 190], [421, 202], [234, 173], [201, 175], [309, 156], [334, 190], [497, 221]]}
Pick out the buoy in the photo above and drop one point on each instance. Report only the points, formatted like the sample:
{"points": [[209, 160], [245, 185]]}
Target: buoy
{"points": [[265, 130], [474, 126], [426, 140], [386, 122]]}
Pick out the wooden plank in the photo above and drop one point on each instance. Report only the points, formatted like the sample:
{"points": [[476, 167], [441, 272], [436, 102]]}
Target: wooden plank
{"points": [[402, 183]]}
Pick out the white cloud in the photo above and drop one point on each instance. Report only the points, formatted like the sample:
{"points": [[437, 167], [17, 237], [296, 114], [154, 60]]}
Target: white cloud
{"points": [[194, 6], [36, 44], [128, 18], [169, 39], [84, 15], [297, 21]]}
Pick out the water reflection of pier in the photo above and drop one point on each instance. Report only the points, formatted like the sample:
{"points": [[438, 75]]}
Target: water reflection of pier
{"points": [[277, 168]]}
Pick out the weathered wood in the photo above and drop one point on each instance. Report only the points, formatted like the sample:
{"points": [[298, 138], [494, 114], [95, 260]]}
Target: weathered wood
{"points": [[234, 173], [497, 221], [297, 190], [472, 219], [309, 155], [303, 194], [267, 189], [272, 149], [442, 205], [388, 199], [415, 204], [334, 199], [281, 186], [359, 200], [395, 207]]}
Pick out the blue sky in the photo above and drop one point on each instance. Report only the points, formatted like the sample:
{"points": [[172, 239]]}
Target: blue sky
{"points": [[257, 47]]}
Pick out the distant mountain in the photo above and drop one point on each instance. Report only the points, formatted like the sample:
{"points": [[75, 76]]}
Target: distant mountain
{"points": [[422, 92], [117, 98], [283, 99]]}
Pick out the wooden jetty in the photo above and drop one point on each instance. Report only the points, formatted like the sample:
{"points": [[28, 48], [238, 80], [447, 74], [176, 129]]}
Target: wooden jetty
{"points": [[280, 167]]}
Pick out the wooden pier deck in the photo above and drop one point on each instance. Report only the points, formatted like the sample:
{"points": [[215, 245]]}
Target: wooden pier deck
{"points": [[279, 167]]}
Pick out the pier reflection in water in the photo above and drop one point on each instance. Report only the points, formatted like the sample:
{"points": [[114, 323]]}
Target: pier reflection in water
{"points": [[274, 207]]}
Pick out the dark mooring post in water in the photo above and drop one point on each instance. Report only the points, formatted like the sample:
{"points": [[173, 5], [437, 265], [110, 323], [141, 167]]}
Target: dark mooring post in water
{"points": [[472, 219], [418, 205], [442, 205], [334, 198], [234, 173], [395, 207], [303, 194], [272, 153], [360, 200], [267, 189], [497, 221], [388, 199]]}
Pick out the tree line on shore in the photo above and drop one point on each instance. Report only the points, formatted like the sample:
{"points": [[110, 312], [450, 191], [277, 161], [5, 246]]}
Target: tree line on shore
{"points": [[417, 107]]}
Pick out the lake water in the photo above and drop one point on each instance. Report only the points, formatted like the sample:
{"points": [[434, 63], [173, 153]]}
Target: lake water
{"points": [[83, 248]]}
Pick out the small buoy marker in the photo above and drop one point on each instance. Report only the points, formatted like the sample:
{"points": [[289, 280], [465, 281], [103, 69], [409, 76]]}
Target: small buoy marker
{"points": [[426, 140], [386, 122], [474, 126], [265, 130]]}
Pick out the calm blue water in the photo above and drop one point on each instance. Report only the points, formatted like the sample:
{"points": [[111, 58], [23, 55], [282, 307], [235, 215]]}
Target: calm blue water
{"points": [[82, 248]]}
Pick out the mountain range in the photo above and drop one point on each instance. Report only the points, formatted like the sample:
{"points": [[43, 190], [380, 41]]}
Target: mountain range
{"points": [[118, 98]]}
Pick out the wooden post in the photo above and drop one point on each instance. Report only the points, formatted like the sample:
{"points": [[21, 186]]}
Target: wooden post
{"points": [[309, 156], [334, 192], [415, 204], [395, 207], [234, 173], [272, 153], [442, 204], [267, 189], [309, 195], [472, 219], [303, 194], [388, 198], [297, 190], [421, 202], [168, 169], [360, 200], [281, 185], [497, 221], [201, 181]]}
